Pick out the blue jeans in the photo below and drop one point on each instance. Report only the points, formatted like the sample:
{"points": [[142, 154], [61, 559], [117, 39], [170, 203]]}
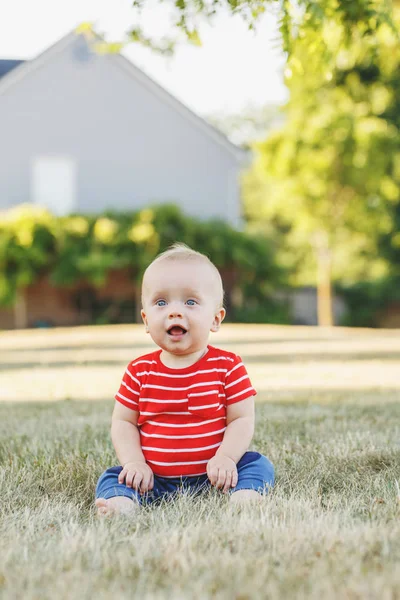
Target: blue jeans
{"points": [[255, 472]]}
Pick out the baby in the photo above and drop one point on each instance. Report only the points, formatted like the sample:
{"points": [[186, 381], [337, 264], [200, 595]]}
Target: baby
{"points": [[184, 414]]}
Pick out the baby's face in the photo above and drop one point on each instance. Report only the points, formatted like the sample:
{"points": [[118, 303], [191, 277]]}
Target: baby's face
{"points": [[181, 304]]}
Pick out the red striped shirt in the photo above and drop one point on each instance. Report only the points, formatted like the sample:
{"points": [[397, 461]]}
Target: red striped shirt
{"points": [[182, 412]]}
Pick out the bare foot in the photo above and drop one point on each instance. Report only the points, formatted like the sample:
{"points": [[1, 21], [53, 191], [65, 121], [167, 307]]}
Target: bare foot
{"points": [[116, 505]]}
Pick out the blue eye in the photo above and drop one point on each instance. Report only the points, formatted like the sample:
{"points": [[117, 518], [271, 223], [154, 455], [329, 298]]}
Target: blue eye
{"points": [[161, 303], [191, 302]]}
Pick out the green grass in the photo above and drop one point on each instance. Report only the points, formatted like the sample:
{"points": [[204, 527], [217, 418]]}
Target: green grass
{"points": [[330, 527]]}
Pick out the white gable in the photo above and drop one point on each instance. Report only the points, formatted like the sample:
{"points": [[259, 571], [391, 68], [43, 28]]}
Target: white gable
{"points": [[131, 141]]}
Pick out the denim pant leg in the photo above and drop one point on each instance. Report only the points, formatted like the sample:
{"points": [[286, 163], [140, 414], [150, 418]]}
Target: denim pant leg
{"points": [[255, 472], [108, 487]]}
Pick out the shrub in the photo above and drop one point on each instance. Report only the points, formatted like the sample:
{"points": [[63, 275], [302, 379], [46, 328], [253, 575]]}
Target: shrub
{"points": [[78, 247], [366, 301]]}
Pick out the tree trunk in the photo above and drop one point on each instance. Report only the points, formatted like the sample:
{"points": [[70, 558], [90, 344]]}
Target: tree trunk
{"points": [[324, 287], [20, 310]]}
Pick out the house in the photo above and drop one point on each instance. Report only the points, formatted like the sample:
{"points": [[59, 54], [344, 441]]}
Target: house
{"points": [[83, 131]]}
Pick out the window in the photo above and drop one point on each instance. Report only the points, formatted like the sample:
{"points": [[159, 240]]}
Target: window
{"points": [[54, 183]]}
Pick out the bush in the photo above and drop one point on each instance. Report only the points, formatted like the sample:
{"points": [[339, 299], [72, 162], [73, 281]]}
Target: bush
{"points": [[78, 247], [366, 301]]}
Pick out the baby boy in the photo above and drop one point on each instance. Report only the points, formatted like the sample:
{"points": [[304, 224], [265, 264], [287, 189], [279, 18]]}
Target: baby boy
{"points": [[184, 414]]}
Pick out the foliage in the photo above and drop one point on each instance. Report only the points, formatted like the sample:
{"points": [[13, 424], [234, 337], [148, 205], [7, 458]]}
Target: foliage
{"points": [[389, 245], [366, 301], [28, 241], [184, 17], [331, 174], [78, 247]]}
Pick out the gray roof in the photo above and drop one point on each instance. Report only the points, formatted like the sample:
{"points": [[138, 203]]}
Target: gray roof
{"points": [[7, 65]]}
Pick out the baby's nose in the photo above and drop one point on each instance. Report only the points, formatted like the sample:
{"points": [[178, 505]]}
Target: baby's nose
{"points": [[175, 312]]}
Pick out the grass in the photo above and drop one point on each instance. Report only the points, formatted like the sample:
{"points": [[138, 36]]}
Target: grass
{"points": [[330, 527]]}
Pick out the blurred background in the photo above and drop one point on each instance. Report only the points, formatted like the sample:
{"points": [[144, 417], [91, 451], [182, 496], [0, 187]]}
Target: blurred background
{"points": [[266, 136]]}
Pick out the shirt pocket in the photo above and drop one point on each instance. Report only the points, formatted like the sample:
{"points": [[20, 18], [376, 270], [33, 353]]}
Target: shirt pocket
{"points": [[205, 404]]}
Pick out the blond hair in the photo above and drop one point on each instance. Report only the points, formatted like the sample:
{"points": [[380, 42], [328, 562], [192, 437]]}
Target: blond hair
{"points": [[180, 251]]}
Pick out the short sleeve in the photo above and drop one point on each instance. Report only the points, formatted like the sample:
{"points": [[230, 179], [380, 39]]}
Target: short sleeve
{"points": [[237, 383], [129, 390]]}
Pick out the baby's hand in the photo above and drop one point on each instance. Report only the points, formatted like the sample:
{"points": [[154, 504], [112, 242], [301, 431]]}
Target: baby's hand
{"points": [[138, 476], [222, 472]]}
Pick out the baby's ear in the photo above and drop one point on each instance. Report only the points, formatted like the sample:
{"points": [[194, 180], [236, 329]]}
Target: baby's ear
{"points": [[144, 319], [218, 318]]}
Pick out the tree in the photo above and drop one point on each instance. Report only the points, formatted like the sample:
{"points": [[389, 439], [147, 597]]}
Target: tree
{"points": [[185, 17], [332, 172]]}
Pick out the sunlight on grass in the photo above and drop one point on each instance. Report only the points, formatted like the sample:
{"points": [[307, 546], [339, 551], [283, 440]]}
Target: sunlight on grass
{"points": [[88, 362]]}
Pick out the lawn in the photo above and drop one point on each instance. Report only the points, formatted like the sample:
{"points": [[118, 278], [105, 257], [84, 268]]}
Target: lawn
{"points": [[328, 416]]}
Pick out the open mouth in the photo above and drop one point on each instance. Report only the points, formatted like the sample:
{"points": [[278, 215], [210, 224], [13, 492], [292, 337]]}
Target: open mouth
{"points": [[176, 330]]}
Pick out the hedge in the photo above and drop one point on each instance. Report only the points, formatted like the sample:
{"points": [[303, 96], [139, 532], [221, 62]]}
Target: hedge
{"points": [[33, 242]]}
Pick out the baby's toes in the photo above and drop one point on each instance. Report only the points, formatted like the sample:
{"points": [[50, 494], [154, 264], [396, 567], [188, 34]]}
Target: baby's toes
{"points": [[103, 507], [99, 502]]}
